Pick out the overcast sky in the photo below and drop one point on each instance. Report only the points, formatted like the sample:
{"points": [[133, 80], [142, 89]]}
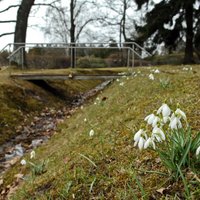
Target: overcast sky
{"points": [[33, 33]]}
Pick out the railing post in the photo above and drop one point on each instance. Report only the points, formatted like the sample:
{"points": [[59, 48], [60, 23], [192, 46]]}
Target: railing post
{"points": [[22, 61], [128, 60], [133, 56]]}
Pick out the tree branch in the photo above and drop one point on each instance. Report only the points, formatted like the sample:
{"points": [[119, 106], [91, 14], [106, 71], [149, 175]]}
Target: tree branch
{"points": [[4, 34], [47, 4], [8, 21], [9, 7]]}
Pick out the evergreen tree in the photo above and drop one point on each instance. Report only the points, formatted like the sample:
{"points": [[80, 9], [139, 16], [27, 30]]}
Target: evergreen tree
{"points": [[170, 21]]}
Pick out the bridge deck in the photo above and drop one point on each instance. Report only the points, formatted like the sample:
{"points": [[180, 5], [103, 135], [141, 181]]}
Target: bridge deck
{"points": [[64, 77]]}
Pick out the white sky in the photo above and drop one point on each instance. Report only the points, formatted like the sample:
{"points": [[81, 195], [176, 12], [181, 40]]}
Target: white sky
{"points": [[33, 34]]}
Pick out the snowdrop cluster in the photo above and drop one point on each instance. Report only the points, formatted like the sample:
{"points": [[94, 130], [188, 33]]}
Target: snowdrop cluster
{"points": [[187, 68], [32, 155], [151, 77], [97, 101], [159, 124], [155, 71]]}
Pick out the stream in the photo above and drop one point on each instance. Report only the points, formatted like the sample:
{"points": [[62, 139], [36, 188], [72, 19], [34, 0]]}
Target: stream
{"points": [[40, 130]]}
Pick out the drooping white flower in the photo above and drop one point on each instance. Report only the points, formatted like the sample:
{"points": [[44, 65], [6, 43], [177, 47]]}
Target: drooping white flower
{"points": [[140, 138], [85, 120], [23, 162], [138, 135], [149, 142], [157, 132], [121, 84], [165, 119], [165, 110], [91, 133], [156, 121], [198, 151], [32, 154], [157, 71], [151, 77], [180, 114], [175, 122], [150, 118], [141, 143]]}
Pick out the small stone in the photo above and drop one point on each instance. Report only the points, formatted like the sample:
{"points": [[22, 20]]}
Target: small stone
{"points": [[36, 143]]}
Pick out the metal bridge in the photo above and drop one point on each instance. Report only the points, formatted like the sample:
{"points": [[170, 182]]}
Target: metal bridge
{"points": [[18, 52]]}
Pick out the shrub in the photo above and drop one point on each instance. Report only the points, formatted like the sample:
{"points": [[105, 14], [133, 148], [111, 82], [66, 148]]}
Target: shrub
{"points": [[90, 62]]}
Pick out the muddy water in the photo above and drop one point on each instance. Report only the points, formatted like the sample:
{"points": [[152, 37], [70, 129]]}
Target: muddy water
{"points": [[40, 130]]}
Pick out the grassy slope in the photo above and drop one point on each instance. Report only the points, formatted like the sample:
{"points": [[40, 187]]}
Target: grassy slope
{"points": [[107, 166], [21, 98]]}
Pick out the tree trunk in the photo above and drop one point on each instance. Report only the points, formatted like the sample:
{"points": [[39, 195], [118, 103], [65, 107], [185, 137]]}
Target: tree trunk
{"points": [[21, 27], [72, 33], [188, 58]]}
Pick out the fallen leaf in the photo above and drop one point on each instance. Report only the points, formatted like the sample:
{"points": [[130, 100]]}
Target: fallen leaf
{"points": [[19, 176], [161, 190]]}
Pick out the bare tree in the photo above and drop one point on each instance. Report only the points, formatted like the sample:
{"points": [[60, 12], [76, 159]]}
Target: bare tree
{"points": [[66, 24], [22, 21], [119, 15]]}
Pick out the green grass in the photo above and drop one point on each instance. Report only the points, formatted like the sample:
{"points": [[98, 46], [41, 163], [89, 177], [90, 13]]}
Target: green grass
{"points": [[107, 166]]}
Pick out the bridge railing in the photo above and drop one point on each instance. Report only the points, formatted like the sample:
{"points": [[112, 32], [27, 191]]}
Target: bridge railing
{"points": [[130, 50]]}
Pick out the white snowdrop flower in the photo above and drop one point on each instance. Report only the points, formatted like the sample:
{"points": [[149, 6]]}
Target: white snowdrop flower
{"points": [[150, 118], [156, 121], [175, 122], [165, 119], [158, 132], [157, 137], [165, 110], [85, 120], [32, 154], [138, 135], [117, 80], [180, 114], [185, 69], [91, 133], [95, 103], [23, 162], [97, 99], [191, 68], [149, 142], [151, 77], [141, 143], [121, 84], [198, 151], [157, 71]]}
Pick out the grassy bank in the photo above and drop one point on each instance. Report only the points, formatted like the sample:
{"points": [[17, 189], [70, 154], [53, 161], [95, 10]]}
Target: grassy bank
{"points": [[22, 100], [105, 164]]}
